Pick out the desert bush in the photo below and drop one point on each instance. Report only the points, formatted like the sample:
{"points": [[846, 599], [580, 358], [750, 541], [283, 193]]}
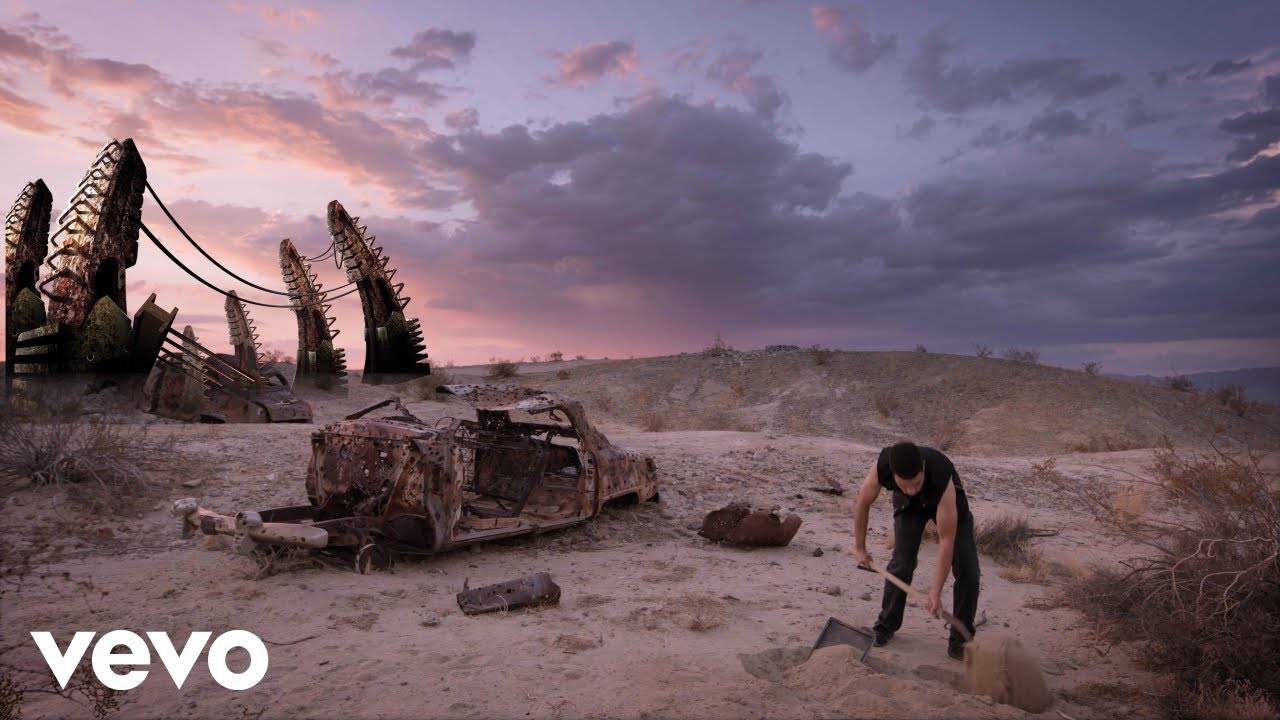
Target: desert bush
{"points": [[425, 389], [101, 465], [562, 375], [273, 355], [718, 347], [721, 418], [555, 356], [1092, 368], [1232, 398], [1105, 443], [944, 431], [1007, 539], [1204, 598], [820, 355], [579, 357], [653, 421], [1180, 382], [982, 351], [885, 404], [921, 349], [503, 369], [1029, 356]]}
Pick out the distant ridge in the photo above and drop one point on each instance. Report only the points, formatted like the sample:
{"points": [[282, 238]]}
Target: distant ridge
{"points": [[1260, 383]]}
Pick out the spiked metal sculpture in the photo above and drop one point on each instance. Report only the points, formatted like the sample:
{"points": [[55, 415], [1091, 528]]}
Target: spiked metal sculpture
{"points": [[26, 241], [393, 343], [320, 364]]}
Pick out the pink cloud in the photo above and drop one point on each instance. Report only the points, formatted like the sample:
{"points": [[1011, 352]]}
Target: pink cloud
{"points": [[590, 63], [291, 18]]}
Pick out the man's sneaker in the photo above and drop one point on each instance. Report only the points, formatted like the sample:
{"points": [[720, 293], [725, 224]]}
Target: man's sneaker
{"points": [[955, 651], [882, 637]]}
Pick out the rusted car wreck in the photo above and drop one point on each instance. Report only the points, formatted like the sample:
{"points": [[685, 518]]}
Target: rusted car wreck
{"points": [[397, 485]]}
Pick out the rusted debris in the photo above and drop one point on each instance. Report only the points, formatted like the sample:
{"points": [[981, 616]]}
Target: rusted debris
{"points": [[831, 487], [536, 589], [26, 242], [320, 364], [396, 485], [738, 524], [190, 382], [393, 342]]}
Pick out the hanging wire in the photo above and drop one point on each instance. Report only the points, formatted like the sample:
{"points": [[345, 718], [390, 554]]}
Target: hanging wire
{"points": [[323, 301], [211, 259]]}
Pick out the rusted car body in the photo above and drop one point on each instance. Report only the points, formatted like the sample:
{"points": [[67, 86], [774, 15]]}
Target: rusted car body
{"points": [[396, 485]]}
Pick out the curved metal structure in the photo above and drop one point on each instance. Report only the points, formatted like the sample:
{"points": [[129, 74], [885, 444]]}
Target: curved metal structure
{"points": [[244, 336], [26, 242], [393, 343], [320, 364], [97, 236]]}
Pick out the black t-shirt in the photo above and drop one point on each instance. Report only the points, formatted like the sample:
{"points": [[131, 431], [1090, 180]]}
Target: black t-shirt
{"points": [[938, 470]]}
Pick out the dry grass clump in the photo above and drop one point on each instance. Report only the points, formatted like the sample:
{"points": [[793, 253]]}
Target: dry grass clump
{"points": [[721, 418], [1028, 356], [425, 389], [1204, 599], [1180, 383], [1092, 368], [820, 355], [555, 356], [1104, 443], [503, 369], [718, 347], [101, 465], [562, 374], [1232, 398], [653, 421], [1007, 539], [703, 613], [885, 404], [945, 431], [982, 351], [921, 349]]}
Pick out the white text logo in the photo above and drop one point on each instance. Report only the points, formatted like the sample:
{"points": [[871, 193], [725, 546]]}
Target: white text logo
{"points": [[105, 658]]}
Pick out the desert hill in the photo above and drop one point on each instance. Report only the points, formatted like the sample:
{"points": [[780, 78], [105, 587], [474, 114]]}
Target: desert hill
{"points": [[968, 404]]}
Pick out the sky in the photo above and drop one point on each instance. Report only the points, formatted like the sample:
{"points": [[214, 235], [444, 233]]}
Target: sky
{"points": [[1099, 181]]}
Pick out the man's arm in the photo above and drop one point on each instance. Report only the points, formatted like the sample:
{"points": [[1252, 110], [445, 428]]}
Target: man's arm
{"points": [[946, 520], [867, 495]]}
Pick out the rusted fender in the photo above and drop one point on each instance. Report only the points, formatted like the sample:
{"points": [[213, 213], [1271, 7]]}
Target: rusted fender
{"points": [[737, 523], [536, 589]]}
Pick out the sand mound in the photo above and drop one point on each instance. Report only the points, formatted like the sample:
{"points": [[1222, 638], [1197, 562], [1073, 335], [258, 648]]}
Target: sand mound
{"points": [[998, 666]]}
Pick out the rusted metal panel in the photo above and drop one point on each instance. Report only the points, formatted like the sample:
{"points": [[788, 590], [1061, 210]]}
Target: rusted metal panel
{"points": [[320, 364], [739, 524], [536, 589], [393, 342], [97, 236], [26, 242]]}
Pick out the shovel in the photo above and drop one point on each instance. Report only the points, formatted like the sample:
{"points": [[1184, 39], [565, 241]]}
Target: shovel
{"points": [[912, 592]]}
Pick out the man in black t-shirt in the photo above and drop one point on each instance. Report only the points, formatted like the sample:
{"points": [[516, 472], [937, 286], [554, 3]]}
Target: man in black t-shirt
{"points": [[925, 487]]}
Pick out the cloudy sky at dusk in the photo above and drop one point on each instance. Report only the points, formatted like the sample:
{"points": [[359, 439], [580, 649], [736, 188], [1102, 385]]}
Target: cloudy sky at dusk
{"points": [[1098, 180]]}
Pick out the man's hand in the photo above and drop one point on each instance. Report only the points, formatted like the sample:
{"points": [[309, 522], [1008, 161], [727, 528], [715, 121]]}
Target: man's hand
{"points": [[933, 603], [863, 557]]}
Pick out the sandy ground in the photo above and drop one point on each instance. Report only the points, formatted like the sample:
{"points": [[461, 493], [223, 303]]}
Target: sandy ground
{"points": [[654, 620]]}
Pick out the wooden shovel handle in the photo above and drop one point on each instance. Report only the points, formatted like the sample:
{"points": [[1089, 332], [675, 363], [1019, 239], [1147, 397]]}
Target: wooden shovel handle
{"points": [[955, 622]]}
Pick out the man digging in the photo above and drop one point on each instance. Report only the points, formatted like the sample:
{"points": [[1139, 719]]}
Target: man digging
{"points": [[925, 487]]}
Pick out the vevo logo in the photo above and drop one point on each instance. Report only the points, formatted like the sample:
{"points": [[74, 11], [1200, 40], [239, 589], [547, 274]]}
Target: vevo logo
{"points": [[105, 659]]}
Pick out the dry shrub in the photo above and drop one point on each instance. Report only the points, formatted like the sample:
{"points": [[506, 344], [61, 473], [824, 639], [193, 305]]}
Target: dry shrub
{"points": [[102, 466], [653, 421], [982, 351], [921, 349], [425, 389], [1204, 599], [1232, 398], [555, 356], [1180, 383], [820, 355], [579, 357], [945, 431], [721, 419], [562, 375], [1007, 538], [503, 369], [1092, 368], [885, 404], [1028, 356], [718, 347], [704, 613]]}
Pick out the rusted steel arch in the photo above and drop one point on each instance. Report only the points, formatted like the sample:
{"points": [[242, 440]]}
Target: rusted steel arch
{"points": [[244, 336], [26, 242], [393, 343], [97, 236], [319, 362]]}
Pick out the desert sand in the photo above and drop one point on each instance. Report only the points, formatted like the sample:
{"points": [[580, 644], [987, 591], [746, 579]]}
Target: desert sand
{"points": [[654, 620]]}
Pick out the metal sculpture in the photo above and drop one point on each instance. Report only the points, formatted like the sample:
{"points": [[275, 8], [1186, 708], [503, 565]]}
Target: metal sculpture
{"points": [[26, 242], [393, 343], [320, 364]]}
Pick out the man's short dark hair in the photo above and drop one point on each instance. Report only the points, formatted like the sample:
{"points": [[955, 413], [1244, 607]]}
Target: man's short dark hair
{"points": [[905, 460]]}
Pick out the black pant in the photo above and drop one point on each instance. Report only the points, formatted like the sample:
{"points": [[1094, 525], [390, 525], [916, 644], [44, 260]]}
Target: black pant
{"points": [[908, 529]]}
